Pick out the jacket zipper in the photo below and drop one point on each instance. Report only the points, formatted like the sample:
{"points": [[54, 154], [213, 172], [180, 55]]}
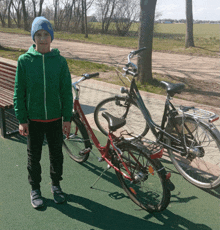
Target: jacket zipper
{"points": [[45, 95], [59, 101], [29, 95]]}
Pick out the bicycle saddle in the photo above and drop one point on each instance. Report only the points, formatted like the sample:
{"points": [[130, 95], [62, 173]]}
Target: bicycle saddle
{"points": [[172, 88], [114, 123]]}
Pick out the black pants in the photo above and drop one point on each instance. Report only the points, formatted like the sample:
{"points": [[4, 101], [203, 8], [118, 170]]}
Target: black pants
{"points": [[54, 135]]}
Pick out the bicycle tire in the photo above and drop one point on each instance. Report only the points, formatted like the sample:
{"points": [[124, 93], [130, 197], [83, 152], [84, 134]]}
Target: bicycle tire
{"points": [[149, 189], [116, 106], [201, 169], [78, 145]]}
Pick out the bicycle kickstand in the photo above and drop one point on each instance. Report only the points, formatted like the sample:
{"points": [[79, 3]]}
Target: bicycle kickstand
{"points": [[108, 167]]}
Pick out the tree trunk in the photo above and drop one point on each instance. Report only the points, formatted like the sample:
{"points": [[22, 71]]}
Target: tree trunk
{"points": [[83, 18], [2, 20], [25, 15], [55, 3], [9, 14], [146, 40], [86, 25], [189, 42], [34, 7], [41, 7]]}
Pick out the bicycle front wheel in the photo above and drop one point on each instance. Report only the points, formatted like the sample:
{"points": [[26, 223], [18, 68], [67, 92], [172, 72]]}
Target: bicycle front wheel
{"points": [[77, 146], [201, 165], [148, 188], [121, 107]]}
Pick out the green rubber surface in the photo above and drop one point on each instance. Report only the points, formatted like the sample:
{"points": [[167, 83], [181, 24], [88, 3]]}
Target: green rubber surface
{"points": [[106, 206]]}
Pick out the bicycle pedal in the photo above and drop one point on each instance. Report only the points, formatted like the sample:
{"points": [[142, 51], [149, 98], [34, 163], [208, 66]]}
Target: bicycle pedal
{"points": [[84, 151], [100, 159]]}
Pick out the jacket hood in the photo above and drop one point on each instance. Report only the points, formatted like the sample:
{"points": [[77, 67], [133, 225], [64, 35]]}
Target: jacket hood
{"points": [[31, 51]]}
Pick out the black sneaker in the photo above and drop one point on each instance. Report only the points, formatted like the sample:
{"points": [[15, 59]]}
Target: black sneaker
{"points": [[59, 196], [36, 199]]}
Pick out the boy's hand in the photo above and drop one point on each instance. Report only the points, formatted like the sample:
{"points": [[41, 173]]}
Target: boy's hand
{"points": [[23, 129], [66, 128]]}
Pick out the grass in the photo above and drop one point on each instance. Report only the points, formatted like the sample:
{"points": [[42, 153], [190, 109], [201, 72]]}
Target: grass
{"points": [[11, 53], [167, 38], [77, 67]]}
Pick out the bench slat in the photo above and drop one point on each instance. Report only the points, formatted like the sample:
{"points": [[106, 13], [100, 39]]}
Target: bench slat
{"points": [[7, 85], [7, 70], [8, 65], [7, 75]]}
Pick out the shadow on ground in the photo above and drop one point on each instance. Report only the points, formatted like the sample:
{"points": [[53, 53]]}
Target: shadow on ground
{"points": [[103, 217]]}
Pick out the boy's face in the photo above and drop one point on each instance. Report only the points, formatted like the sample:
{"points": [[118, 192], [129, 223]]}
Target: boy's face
{"points": [[42, 40]]}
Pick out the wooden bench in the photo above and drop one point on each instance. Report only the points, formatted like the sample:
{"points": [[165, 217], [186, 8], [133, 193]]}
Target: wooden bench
{"points": [[9, 123]]}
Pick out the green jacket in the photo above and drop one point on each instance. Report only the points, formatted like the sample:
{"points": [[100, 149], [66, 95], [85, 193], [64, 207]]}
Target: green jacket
{"points": [[43, 87]]}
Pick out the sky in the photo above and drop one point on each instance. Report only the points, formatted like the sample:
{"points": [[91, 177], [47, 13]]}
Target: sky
{"points": [[202, 9]]}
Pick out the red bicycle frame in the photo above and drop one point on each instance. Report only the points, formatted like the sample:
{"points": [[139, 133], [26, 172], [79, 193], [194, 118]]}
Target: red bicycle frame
{"points": [[102, 149], [105, 150]]}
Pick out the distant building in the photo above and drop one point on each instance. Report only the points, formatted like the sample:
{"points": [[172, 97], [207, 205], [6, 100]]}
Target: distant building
{"points": [[170, 21], [167, 22], [91, 19]]}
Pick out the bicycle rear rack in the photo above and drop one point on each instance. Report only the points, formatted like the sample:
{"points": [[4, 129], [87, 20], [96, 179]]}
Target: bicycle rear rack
{"points": [[198, 113]]}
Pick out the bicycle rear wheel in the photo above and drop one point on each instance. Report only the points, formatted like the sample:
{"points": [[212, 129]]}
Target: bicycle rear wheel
{"points": [[201, 165], [78, 144], [149, 188], [117, 106]]}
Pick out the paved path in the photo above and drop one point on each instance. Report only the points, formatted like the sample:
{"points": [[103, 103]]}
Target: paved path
{"points": [[202, 68]]}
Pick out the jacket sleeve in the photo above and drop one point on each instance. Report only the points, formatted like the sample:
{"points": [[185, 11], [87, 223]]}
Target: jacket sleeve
{"points": [[66, 92], [20, 94]]}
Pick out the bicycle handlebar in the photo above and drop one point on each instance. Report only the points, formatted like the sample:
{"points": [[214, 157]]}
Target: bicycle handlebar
{"points": [[85, 77], [130, 56], [138, 51], [88, 76]]}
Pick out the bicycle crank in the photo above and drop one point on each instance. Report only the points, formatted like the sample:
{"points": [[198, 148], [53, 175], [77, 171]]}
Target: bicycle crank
{"points": [[195, 152]]}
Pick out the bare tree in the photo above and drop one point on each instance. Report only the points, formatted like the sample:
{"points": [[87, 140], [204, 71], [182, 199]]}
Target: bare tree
{"points": [[127, 11], [3, 11], [106, 10], [56, 5], [69, 13], [189, 42], [35, 4], [85, 6], [66, 11], [25, 15], [48, 12], [9, 13], [146, 39], [17, 16]]}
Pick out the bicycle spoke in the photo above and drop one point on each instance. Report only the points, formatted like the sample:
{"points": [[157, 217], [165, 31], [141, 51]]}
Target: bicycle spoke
{"points": [[146, 188], [201, 164]]}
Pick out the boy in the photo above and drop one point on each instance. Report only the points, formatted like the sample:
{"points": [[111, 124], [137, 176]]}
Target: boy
{"points": [[43, 105]]}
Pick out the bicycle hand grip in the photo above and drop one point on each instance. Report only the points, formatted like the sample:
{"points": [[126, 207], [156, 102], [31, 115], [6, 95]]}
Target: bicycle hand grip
{"points": [[131, 73], [88, 76], [138, 51]]}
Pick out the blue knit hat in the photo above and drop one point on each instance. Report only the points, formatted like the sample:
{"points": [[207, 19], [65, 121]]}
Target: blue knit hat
{"points": [[41, 23]]}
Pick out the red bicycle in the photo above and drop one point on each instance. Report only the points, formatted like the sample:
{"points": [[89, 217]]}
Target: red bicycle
{"points": [[140, 173]]}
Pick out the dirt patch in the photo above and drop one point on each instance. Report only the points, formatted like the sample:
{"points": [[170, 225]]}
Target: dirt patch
{"points": [[199, 91]]}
